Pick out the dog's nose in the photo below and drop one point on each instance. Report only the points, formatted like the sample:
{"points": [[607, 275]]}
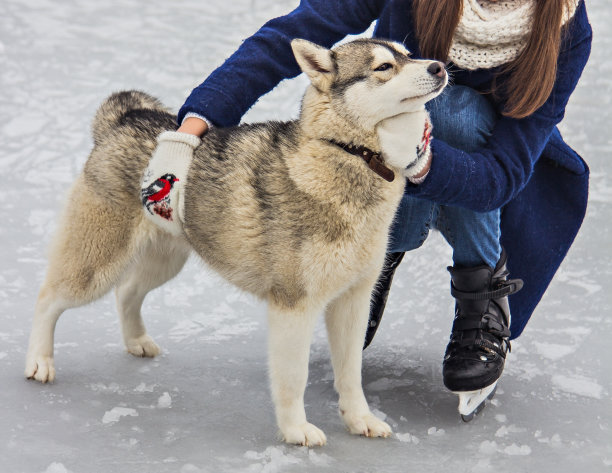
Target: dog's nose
{"points": [[436, 69]]}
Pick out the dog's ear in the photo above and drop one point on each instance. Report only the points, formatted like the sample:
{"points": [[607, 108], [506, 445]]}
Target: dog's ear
{"points": [[316, 62]]}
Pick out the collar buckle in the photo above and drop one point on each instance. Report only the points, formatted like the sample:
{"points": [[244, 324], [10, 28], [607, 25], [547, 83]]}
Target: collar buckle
{"points": [[371, 158]]}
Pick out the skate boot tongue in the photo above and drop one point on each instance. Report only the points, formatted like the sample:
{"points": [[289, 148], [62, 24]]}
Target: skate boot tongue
{"points": [[470, 286]]}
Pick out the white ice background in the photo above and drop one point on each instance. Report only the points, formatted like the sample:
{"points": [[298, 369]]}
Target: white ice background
{"points": [[204, 404]]}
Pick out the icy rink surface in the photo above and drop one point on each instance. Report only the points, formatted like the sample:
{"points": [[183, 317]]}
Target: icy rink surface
{"points": [[204, 405]]}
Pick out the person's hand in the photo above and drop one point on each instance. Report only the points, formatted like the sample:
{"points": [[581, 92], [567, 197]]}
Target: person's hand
{"points": [[404, 141], [193, 126], [421, 174], [165, 178]]}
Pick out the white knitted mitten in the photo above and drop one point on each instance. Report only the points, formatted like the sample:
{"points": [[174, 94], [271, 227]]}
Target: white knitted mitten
{"points": [[165, 178], [405, 142]]}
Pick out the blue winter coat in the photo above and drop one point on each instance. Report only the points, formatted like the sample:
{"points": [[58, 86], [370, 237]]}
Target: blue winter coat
{"points": [[526, 168]]}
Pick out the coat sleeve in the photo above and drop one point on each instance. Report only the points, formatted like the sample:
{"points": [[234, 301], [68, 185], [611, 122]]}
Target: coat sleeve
{"points": [[491, 176], [266, 58]]}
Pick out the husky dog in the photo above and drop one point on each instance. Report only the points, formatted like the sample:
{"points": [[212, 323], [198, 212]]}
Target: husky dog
{"points": [[297, 213]]}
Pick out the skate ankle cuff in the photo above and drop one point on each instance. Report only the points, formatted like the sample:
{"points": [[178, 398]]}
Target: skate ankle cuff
{"points": [[505, 288]]}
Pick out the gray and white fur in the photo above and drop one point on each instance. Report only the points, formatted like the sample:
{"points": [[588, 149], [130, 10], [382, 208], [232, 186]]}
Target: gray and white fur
{"points": [[275, 208]]}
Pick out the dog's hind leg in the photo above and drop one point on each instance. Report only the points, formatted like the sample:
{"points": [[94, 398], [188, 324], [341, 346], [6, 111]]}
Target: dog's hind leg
{"points": [[91, 249], [290, 333], [158, 263], [39, 362], [346, 319]]}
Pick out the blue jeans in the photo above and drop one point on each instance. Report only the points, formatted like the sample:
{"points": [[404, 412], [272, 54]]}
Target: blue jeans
{"points": [[464, 119]]}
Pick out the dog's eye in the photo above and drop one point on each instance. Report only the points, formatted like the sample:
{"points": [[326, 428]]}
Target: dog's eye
{"points": [[383, 67]]}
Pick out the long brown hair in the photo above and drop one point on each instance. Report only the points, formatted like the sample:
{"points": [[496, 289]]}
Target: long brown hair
{"points": [[531, 76]]}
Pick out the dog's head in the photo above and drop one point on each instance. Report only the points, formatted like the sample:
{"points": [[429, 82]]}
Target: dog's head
{"points": [[369, 80]]}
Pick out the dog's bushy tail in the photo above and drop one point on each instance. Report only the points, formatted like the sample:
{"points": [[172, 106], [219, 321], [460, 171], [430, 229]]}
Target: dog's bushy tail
{"points": [[115, 107]]}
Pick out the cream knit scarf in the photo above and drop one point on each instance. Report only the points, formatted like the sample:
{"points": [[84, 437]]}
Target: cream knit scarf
{"points": [[490, 34]]}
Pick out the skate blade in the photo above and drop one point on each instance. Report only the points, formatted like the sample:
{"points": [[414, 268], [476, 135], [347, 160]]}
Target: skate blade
{"points": [[472, 402]]}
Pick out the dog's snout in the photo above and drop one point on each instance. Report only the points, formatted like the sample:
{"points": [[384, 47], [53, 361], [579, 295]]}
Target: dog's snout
{"points": [[436, 69]]}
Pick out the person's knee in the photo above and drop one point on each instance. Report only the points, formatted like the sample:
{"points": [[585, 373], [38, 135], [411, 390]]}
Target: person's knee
{"points": [[462, 117], [411, 225], [397, 245]]}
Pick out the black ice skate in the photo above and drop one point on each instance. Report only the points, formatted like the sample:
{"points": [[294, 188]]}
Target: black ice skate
{"points": [[479, 341], [381, 293]]}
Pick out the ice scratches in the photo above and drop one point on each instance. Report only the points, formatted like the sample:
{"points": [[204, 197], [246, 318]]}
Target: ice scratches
{"points": [[144, 388], [116, 388], [223, 324], [571, 338], [599, 190], [9, 286], [189, 468], [377, 412], [25, 125], [579, 385], [42, 221], [388, 384], [490, 447], [504, 430], [107, 388], [554, 441], [515, 449], [276, 459], [554, 351], [580, 278]]}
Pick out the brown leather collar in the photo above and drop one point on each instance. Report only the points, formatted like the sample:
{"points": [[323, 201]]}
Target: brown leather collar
{"points": [[370, 157]]}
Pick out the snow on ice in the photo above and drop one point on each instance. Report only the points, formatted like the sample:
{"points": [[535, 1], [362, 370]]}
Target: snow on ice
{"points": [[116, 413], [164, 401], [56, 468]]}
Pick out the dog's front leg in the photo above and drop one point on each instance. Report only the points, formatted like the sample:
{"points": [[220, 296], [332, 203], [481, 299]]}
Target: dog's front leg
{"points": [[346, 319], [290, 333]]}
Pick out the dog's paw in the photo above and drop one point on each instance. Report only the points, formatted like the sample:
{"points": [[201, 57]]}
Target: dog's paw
{"points": [[40, 368], [306, 434], [142, 346], [368, 425]]}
